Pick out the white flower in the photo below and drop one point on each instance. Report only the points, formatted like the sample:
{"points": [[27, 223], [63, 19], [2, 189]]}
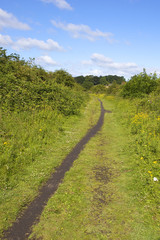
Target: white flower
{"points": [[155, 179]]}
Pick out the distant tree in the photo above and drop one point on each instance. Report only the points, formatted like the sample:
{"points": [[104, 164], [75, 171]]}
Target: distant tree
{"points": [[103, 81], [80, 79], [90, 80], [95, 80], [118, 79], [99, 89], [87, 84]]}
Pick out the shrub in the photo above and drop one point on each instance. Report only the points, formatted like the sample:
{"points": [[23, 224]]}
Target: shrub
{"points": [[140, 85], [25, 86], [99, 89]]}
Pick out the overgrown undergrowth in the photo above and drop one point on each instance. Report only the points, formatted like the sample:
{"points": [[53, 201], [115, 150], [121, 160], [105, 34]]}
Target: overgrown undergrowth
{"points": [[142, 117], [103, 196], [32, 145]]}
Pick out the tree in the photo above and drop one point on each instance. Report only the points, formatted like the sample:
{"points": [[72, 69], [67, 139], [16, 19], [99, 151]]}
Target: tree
{"points": [[103, 81], [80, 79], [87, 84]]}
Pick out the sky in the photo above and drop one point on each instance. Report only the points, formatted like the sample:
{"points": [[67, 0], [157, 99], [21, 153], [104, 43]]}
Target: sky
{"points": [[84, 37]]}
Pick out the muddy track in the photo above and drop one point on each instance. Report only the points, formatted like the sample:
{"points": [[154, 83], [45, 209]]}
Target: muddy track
{"points": [[21, 229]]}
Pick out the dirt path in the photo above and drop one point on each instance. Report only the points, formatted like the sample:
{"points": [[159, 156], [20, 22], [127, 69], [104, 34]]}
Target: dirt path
{"points": [[21, 229]]}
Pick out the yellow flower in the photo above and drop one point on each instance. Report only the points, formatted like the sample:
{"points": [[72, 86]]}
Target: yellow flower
{"points": [[150, 173], [5, 143], [142, 158], [155, 162], [40, 130]]}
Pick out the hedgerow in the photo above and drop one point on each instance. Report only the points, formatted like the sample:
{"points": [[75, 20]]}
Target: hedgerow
{"points": [[25, 86], [33, 104]]}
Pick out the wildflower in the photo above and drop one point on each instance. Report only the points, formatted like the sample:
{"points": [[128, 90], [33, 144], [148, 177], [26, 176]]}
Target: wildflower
{"points": [[142, 158], [5, 143], [155, 179], [150, 172], [40, 130], [155, 162]]}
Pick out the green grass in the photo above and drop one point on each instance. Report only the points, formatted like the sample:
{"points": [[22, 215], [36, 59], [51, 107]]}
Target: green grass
{"points": [[100, 196], [105, 195], [32, 145]]}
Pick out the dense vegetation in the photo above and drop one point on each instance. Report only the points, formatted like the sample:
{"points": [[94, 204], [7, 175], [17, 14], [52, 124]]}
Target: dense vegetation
{"points": [[140, 85], [32, 101], [25, 86], [138, 109], [35, 108], [100, 84]]}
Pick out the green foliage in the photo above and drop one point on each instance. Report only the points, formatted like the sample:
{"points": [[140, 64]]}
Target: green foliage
{"points": [[24, 86], [113, 89], [140, 85], [99, 89], [118, 79], [87, 84], [142, 118], [157, 91], [89, 81], [80, 79], [99, 192], [32, 145], [103, 81], [63, 77]]}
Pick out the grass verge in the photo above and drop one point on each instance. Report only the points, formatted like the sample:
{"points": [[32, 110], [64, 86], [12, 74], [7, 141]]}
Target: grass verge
{"points": [[34, 146], [99, 197]]}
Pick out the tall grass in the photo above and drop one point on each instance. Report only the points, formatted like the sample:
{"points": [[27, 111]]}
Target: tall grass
{"points": [[32, 145], [142, 118]]}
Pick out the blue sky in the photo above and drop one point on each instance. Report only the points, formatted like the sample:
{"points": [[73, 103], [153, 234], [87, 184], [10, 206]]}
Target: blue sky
{"points": [[98, 37]]}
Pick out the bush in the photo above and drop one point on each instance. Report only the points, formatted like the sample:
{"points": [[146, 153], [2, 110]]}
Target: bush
{"points": [[99, 89], [140, 85], [25, 86]]}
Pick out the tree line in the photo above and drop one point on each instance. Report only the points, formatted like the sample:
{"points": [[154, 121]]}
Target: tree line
{"points": [[89, 81]]}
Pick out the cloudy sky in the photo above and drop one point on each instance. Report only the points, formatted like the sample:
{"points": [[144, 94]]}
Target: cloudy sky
{"points": [[98, 37]]}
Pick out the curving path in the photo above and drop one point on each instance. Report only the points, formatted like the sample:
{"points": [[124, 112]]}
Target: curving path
{"points": [[21, 229]]}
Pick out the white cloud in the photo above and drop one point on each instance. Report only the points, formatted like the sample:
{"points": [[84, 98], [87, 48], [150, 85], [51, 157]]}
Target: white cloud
{"points": [[45, 60], [28, 43], [103, 61], [83, 31], [100, 59], [8, 20], [103, 65], [5, 40], [62, 4]]}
